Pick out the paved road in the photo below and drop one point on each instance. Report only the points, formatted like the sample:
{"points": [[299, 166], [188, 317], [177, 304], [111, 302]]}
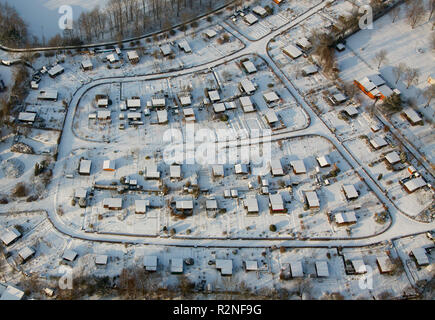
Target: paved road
{"points": [[401, 224]]}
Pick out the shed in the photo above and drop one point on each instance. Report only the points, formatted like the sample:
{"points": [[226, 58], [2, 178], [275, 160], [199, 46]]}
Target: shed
{"points": [[189, 114], [113, 57], [304, 43], [102, 102], [81, 193], [271, 117], [184, 205], [166, 49], [133, 56], [104, 114], [247, 86], [378, 142], [276, 167], [134, 116], [392, 157], [158, 102], [323, 161], [322, 269], [109, 165], [55, 71], [211, 204], [185, 100], [345, 218], [218, 170], [249, 67], [384, 263], [87, 65], [292, 51], [219, 107], [251, 265], [85, 167], [175, 171], [309, 70], [414, 184], [210, 33], [101, 259], [150, 263], [214, 96], [141, 206], [133, 103], [412, 116], [251, 204], [351, 111], [112, 203], [250, 19], [225, 266], [231, 105], [26, 253], [27, 117], [48, 94], [276, 203], [350, 191], [234, 193], [152, 171], [298, 166], [358, 265], [184, 45], [177, 265], [339, 98], [162, 116], [241, 168], [271, 97], [69, 255], [312, 200], [420, 256], [246, 104], [296, 269], [260, 11]]}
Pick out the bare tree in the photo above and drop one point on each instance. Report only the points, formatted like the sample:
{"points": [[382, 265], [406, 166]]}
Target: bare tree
{"points": [[381, 57], [415, 12], [399, 70], [395, 13], [429, 94], [430, 8], [411, 76]]}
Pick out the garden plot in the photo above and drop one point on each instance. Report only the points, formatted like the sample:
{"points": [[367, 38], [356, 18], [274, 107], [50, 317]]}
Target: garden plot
{"points": [[41, 141], [406, 245], [387, 179], [282, 15], [411, 47]]}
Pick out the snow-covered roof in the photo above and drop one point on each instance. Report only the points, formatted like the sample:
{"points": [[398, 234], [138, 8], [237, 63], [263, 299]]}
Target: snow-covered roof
{"points": [[57, 69], [162, 116], [259, 10], [384, 263], [175, 171], [230, 105], [250, 18], [69, 255], [219, 107], [339, 97], [412, 115], [134, 115], [113, 57], [210, 33], [141, 205], [358, 265], [218, 170], [376, 79], [351, 110], [26, 252], [276, 202], [132, 55], [249, 66], [158, 102], [177, 265], [183, 44], [234, 193], [323, 161], [112, 203], [251, 265], [189, 114], [152, 172], [81, 193], [415, 184], [133, 103], [166, 49], [86, 64], [104, 102], [385, 90], [247, 86], [322, 269], [184, 204], [27, 116], [101, 259], [276, 167], [185, 100], [298, 166], [241, 168], [296, 269], [310, 69], [251, 204], [12, 293], [150, 263], [304, 43], [350, 191], [211, 204], [214, 95], [392, 157], [109, 165], [47, 94], [85, 166], [420, 255], [271, 117], [345, 217], [271, 97], [313, 201], [292, 51], [378, 142], [225, 266], [247, 104], [104, 114]]}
